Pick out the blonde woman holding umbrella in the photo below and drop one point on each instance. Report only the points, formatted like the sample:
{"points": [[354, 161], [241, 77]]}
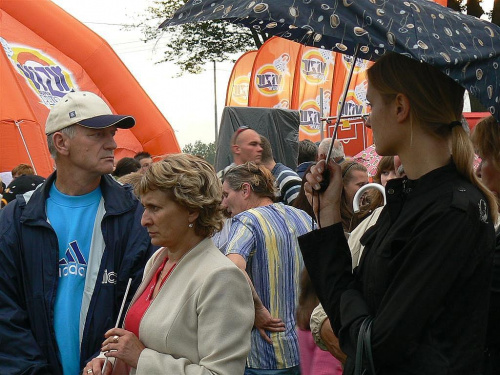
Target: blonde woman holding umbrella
{"points": [[423, 278]]}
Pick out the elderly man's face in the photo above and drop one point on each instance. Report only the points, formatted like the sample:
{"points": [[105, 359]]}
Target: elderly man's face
{"points": [[92, 150]]}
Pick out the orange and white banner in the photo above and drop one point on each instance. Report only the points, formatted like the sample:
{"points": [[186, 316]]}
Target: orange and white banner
{"points": [[239, 81], [34, 76], [314, 71], [271, 83], [351, 129], [38, 68]]}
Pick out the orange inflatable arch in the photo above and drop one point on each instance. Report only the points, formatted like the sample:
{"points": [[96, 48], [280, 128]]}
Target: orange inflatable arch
{"points": [[46, 53]]}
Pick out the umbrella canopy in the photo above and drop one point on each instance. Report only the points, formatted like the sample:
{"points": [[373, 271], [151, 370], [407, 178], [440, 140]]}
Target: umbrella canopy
{"points": [[463, 47]]}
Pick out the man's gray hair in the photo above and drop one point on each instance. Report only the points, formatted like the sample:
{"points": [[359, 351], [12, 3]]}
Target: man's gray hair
{"points": [[337, 151], [70, 132]]}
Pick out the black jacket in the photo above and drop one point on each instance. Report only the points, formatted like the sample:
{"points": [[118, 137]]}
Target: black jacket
{"points": [[424, 276], [492, 354]]}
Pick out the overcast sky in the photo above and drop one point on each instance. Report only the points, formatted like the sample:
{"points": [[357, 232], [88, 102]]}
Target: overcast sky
{"points": [[186, 102]]}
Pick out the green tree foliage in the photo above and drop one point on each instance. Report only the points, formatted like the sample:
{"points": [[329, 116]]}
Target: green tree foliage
{"points": [[495, 14], [474, 8], [471, 7], [206, 151], [191, 46]]}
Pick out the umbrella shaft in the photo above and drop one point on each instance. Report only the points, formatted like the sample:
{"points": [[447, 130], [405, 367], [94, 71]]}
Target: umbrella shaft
{"points": [[344, 97]]}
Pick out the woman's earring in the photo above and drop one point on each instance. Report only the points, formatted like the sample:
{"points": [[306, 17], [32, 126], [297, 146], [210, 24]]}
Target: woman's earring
{"points": [[190, 225]]}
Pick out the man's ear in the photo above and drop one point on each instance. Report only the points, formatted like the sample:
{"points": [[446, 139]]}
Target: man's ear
{"points": [[235, 149], [61, 143], [402, 107]]}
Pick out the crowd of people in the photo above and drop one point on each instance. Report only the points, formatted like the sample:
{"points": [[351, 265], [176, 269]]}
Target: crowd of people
{"points": [[161, 265]]}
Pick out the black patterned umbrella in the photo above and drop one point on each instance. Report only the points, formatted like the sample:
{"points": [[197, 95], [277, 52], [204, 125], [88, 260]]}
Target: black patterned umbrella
{"points": [[464, 47]]}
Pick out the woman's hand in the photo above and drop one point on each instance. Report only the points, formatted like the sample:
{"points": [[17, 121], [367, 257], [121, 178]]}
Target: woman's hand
{"points": [[326, 204], [124, 345], [94, 367], [265, 322], [331, 341]]}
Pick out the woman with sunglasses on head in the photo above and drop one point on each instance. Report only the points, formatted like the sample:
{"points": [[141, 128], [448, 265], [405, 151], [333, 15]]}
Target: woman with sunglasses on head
{"points": [[263, 243], [424, 274]]}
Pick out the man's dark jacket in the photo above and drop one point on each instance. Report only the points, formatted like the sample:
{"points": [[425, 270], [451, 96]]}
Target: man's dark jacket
{"points": [[29, 254]]}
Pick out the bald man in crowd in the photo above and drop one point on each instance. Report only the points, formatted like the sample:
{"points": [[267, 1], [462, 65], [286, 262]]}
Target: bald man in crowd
{"points": [[246, 146]]}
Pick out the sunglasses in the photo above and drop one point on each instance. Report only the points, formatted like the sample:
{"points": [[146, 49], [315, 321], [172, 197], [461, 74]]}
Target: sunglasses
{"points": [[248, 166], [238, 131]]}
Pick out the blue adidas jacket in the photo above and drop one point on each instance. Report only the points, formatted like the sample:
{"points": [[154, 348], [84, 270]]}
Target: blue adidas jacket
{"points": [[29, 255]]}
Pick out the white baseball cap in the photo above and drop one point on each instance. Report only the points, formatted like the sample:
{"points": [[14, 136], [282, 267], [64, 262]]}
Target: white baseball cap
{"points": [[86, 109]]}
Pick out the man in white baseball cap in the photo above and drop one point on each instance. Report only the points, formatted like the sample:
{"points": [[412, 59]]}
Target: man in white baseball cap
{"points": [[70, 246], [85, 109]]}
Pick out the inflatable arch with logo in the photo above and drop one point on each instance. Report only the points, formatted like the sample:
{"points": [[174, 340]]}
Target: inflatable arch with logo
{"points": [[45, 54]]}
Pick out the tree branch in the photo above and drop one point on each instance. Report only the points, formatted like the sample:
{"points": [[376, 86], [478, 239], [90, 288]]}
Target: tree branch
{"points": [[256, 38], [495, 15]]}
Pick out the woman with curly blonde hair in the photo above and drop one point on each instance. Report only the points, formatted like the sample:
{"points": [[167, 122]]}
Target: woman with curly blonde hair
{"points": [[193, 312]]}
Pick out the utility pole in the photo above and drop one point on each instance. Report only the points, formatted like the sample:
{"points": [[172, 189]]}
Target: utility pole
{"points": [[215, 105], [321, 130]]}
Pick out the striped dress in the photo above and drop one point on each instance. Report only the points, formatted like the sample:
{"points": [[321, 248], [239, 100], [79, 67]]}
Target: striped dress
{"points": [[266, 237]]}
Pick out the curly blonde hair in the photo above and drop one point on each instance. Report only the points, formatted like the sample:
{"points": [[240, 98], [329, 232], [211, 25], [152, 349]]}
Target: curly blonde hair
{"points": [[193, 184]]}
